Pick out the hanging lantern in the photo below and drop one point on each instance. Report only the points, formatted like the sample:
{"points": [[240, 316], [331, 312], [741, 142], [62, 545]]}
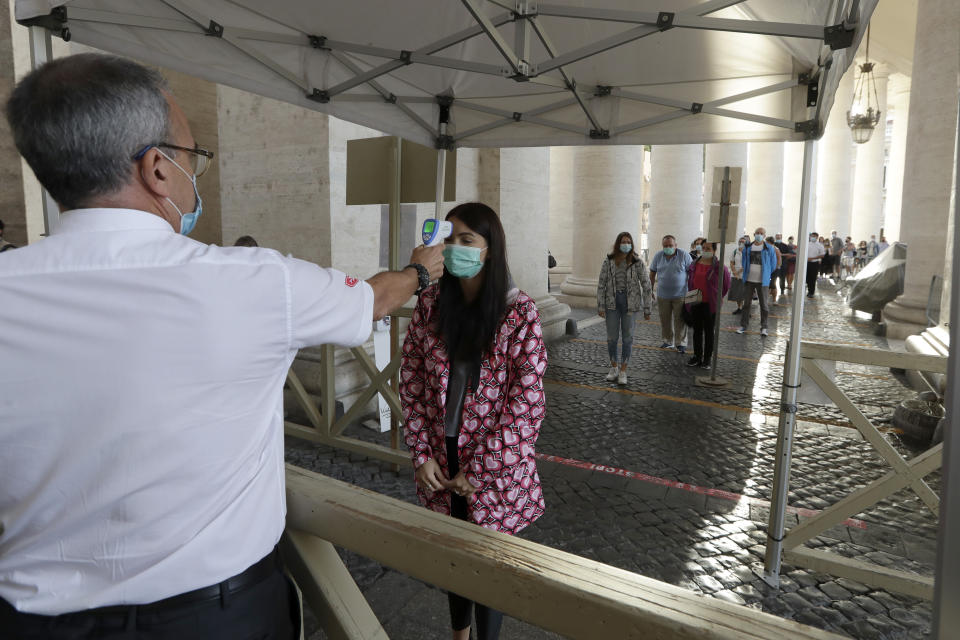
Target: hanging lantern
{"points": [[864, 113]]}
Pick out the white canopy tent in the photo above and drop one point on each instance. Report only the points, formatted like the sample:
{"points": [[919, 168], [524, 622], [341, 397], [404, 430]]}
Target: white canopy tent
{"points": [[519, 73], [508, 73]]}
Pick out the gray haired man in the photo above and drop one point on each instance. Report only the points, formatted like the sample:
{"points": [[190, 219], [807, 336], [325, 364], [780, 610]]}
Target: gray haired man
{"points": [[141, 441]]}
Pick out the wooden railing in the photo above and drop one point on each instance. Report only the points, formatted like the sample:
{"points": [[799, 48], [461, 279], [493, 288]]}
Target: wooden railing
{"points": [[904, 473], [551, 589]]}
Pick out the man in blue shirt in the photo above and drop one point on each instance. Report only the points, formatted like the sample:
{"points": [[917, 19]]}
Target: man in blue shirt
{"points": [[759, 263], [668, 278]]}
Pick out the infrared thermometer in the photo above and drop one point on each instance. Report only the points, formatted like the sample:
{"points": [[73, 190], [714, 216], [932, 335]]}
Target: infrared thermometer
{"points": [[436, 231]]}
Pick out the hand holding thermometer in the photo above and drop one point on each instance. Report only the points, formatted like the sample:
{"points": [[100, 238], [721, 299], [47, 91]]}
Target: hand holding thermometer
{"points": [[435, 231]]}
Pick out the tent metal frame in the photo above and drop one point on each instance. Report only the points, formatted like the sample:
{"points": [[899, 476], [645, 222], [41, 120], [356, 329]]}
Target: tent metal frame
{"points": [[526, 14]]}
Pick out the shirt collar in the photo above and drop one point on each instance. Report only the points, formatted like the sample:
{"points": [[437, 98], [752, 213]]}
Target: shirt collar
{"points": [[91, 220]]}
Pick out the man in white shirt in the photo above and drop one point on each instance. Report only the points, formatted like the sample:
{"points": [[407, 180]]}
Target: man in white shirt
{"points": [[815, 253], [141, 422]]}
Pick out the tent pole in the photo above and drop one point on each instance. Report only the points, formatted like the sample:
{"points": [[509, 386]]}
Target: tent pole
{"points": [[791, 382], [441, 174], [724, 220], [946, 615], [396, 181], [41, 52]]}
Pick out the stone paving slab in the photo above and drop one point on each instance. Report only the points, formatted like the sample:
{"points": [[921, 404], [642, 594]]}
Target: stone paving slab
{"points": [[662, 426]]}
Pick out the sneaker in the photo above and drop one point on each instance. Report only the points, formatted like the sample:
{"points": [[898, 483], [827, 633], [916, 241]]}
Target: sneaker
{"points": [[693, 362], [705, 364], [741, 330], [809, 295], [666, 345], [614, 372], [763, 333], [736, 311], [622, 378], [681, 349]]}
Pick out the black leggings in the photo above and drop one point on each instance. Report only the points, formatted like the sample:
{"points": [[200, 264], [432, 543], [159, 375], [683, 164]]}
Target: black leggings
{"points": [[703, 330], [461, 609]]}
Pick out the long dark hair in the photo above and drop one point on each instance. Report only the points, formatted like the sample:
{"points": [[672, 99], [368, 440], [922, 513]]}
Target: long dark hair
{"points": [[632, 256], [469, 328]]}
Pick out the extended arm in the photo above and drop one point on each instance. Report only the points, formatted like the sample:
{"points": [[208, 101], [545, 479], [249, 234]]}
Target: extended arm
{"points": [[391, 289]]}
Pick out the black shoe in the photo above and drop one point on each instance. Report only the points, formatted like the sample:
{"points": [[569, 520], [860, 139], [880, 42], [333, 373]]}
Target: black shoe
{"points": [[737, 311], [705, 364], [694, 361], [809, 295]]}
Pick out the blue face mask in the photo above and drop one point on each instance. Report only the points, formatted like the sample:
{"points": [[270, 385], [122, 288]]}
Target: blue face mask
{"points": [[668, 251], [626, 248], [187, 220], [462, 262], [757, 237]]}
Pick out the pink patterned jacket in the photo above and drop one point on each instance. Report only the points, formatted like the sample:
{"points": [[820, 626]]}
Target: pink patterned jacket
{"points": [[501, 418]]}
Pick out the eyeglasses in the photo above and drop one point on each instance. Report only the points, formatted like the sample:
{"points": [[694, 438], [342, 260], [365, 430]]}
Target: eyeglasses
{"points": [[199, 158]]}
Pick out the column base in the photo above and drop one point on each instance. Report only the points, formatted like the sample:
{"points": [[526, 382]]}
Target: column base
{"points": [[553, 317], [935, 341], [580, 293], [903, 319], [558, 275]]}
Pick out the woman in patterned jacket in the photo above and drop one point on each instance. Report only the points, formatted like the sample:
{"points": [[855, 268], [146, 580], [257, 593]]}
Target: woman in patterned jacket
{"points": [[471, 387], [623, 287]]}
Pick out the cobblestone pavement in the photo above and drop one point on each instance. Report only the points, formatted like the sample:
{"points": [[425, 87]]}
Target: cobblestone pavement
{"points": [[662, 425]]}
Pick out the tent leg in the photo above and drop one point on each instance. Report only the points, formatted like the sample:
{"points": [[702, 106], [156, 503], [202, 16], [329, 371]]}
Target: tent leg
{"points": [[394, 265], [441, 173], [946, 615], [791, 382], [41, 52]]}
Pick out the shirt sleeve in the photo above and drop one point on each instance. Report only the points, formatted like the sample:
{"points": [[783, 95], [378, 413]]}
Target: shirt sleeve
{"points": [[327, 306]]}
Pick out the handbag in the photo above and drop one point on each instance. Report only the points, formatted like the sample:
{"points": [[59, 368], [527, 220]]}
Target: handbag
{"points": [[693, 297]]}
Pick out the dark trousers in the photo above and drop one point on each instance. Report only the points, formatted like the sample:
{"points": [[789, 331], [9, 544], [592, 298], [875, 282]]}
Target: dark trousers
{"points": [[813, 271], [749, 289], [267, 610], [461, 609], [703, 330]]}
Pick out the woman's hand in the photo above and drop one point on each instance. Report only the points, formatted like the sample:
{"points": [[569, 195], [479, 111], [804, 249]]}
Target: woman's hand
{"points": [[461, 486], [430, 478], [603, 314]]}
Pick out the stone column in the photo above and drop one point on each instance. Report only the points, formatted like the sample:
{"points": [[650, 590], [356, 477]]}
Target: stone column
{"points": [[13, 210], [727, 154], [275, 180], [765, 187], [867, 207], [898, 104], [676, 202], [792, 186], [835, 175], [561, 213], [525, 213], [929, 164], [516, 184], [607, 200]]}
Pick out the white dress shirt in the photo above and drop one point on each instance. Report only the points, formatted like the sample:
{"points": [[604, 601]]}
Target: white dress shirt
{"points": [[141, 406], [815, 251]]}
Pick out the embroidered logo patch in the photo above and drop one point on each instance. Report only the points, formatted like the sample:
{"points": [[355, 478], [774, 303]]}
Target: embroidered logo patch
{"points": [[351, 281]]}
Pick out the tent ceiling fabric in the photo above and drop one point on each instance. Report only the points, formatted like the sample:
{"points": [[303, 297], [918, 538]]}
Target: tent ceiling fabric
{"points": [[521, 73]]}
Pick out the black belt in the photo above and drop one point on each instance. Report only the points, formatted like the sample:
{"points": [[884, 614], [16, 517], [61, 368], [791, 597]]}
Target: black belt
{"points": [[256, 573]]}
